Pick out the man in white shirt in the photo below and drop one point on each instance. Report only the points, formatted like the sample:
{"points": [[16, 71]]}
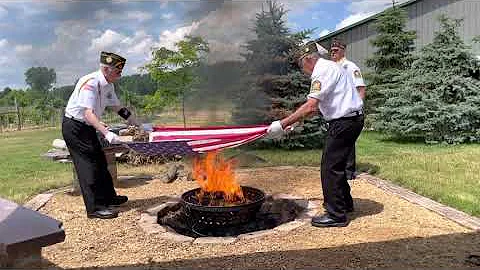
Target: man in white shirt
{"points": [[334, 96], [81, 122], [337, 54]]}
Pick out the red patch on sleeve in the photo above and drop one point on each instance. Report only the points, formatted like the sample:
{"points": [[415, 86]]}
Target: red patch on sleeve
{"points": [[87, 87]]}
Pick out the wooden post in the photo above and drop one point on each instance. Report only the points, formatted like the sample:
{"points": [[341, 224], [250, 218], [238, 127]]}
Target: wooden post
{"points": [[183, 109], [19, 125]]}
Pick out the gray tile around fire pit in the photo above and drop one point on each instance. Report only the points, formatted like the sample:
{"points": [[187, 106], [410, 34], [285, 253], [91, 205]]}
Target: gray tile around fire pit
{"points": [[257, 234], [215, 240], [175, 237]]}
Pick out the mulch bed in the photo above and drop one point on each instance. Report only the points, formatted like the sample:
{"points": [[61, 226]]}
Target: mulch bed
{"points": [[385, 231]]}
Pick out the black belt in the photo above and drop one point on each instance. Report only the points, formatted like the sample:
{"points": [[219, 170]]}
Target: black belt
{"points": [[75, 119], [355, 113], [348, 116]]}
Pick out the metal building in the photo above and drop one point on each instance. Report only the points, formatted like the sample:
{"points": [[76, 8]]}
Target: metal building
{"points": [[422, 17]]}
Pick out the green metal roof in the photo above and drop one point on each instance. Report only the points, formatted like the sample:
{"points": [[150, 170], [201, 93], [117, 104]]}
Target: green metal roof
{"points": [[366, 20]]}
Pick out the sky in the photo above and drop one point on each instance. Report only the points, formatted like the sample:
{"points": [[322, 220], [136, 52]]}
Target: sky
{"points": [[69, 35]]}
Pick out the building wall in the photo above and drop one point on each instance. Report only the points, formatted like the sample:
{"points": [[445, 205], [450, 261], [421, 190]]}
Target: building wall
{"points": [[422, 18]]}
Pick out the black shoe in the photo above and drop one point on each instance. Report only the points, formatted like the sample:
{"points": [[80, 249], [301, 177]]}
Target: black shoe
{"points": [[118, 200], [329, 221], [349, 209], [103, 214]]}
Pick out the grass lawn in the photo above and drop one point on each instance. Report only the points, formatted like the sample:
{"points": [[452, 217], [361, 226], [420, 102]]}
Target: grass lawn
{"points": [[445, 173], [23, 171]]}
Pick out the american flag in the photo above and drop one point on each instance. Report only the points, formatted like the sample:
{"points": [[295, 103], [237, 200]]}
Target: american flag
{"points": [[185, 141]]}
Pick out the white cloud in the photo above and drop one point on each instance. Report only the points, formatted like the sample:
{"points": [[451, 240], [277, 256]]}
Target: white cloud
{"points": [[139, 15], [168, 39], [167, 16], [23, 48], [107, 15], [3, 43], [3, 12], [107, 40]]}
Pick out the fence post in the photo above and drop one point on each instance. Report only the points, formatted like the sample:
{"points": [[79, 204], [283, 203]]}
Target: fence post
{"points": [[19, 126]]}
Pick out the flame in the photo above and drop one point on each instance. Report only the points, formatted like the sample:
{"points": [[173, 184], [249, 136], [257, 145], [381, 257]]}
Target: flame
{"points": [[214, 174]]}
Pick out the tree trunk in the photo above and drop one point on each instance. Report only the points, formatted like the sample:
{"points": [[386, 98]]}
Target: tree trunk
{"points": [[183, 109]]}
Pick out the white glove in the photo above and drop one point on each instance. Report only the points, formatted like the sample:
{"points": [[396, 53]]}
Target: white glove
{"points": [[112, 138], [275, 130]]}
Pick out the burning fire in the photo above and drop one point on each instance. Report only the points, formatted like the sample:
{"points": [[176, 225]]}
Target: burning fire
{"points": [[216, 177]]}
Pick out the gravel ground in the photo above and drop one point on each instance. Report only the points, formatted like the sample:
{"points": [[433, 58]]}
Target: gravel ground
{"points": [[385, 231]]}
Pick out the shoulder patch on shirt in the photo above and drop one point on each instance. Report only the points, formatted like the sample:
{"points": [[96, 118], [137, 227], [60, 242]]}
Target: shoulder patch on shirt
{"points": [[316, 86], [86, 86], [357, 74]]}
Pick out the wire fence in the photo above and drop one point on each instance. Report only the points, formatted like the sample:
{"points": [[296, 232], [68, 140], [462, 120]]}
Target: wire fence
{"points": [[24, 118]]}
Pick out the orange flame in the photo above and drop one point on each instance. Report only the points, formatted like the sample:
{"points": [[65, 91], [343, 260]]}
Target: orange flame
{"points": [[214, 174]]}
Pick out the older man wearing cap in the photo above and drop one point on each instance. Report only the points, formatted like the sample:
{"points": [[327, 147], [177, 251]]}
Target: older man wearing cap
{"points": [[337, 54], [94, 92], [332, 93]]}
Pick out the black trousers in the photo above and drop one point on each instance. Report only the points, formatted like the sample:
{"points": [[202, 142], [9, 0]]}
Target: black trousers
{"points": [[90, 164], [342, 134], [350, 169]]}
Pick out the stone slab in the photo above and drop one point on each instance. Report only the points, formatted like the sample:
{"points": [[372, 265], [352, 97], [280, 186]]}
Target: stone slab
{"points": [[215, 240], [38, 201], [257, 234], [175, 237]]}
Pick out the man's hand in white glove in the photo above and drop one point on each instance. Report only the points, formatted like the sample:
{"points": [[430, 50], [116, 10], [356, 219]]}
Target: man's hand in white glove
{"points": [[112, 138], [275, 130]]}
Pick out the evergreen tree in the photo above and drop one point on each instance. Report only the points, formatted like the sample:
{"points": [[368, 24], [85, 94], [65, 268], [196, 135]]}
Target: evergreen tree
{"points": [[275, 85], [439, 98], [394, 46]]}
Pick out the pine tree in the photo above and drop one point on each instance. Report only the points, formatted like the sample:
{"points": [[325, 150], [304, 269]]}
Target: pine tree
{"points": [[275, 86], [439, 98], [393, 55]]}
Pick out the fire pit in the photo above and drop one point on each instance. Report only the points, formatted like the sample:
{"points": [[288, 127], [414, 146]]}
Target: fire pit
{"points": [[203, 216], [221, 207]]}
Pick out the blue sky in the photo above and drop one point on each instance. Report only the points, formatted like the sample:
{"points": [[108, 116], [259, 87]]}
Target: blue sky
{"points": [[68, 35]]}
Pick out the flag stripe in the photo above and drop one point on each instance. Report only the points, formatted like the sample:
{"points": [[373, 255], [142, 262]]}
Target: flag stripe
{"points": [[203, 139]]}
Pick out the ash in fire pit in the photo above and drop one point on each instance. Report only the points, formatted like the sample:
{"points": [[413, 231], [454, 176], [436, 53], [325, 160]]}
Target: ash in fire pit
{"points": [[272, 213]]}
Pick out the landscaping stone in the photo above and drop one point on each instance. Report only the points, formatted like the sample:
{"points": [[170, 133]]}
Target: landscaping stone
{"points": [[258, 234], [215, 240], [175, 237], [38, 201]]}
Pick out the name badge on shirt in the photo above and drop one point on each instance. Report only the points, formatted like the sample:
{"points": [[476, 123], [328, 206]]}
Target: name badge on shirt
{"points": [[316, 87], [109, 95]]}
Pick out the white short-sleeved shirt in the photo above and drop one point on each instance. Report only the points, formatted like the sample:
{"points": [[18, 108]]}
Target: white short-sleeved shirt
{"points": [[92, 91], [336, 94], [353, 71]]}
